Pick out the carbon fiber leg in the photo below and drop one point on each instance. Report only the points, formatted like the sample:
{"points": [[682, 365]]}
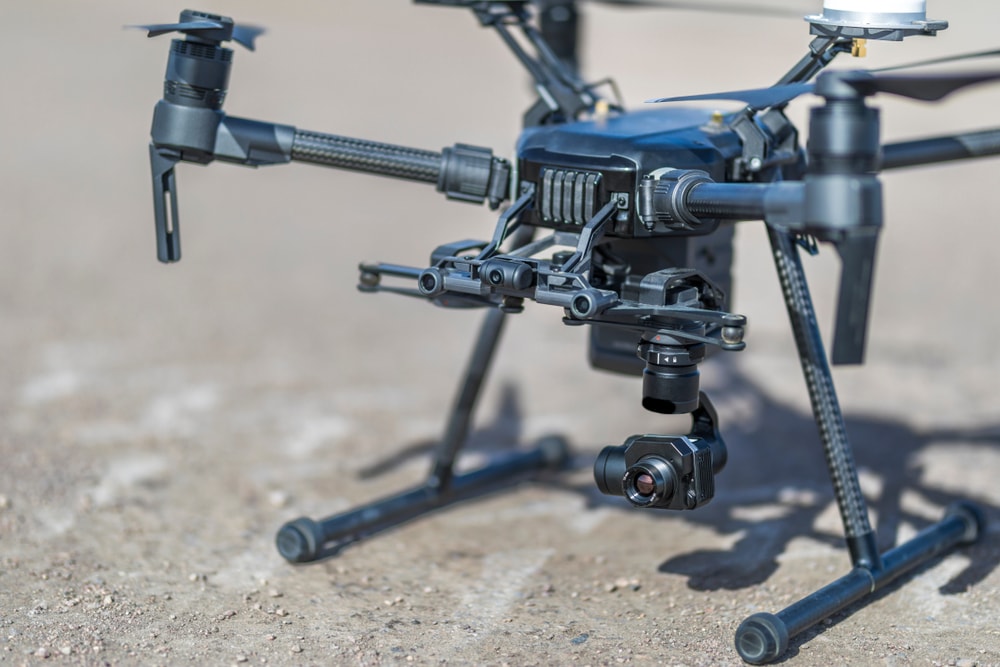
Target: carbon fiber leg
{"points": [[823, 396], [305, 540], [764, 637]]}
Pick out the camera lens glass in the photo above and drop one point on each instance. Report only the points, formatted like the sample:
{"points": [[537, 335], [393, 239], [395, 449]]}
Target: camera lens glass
{"points": [[649, 482], [645, 484]]}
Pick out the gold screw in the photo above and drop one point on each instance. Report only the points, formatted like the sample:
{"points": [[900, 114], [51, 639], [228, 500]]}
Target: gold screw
{"points": [[601, 110]]}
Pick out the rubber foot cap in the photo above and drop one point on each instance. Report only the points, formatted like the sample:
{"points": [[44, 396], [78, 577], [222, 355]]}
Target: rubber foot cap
{"points": [[975, 521], [555, 451], [762, 638], [298, 541]]}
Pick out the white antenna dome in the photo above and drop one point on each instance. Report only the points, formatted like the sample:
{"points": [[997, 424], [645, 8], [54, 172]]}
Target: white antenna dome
{"points": [[874, 19]]}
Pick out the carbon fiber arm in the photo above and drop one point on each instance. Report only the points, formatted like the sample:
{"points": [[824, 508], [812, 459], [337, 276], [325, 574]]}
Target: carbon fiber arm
{"points": [[462, 172], [372, 157]]}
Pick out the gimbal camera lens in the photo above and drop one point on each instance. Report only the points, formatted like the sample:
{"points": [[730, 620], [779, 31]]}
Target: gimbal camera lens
{"points": [[675, 472], [645, 483], [649, 482]]}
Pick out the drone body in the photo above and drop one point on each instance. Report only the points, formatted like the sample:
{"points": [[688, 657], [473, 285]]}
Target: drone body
{"points": [[623, 221]]}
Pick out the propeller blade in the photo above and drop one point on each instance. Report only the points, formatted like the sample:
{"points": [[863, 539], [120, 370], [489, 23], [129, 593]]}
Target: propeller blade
{"points": [[219, 31], [757, 98], [246, 34], [157, 29], [924, 87], [929, 87], [940, 61]]}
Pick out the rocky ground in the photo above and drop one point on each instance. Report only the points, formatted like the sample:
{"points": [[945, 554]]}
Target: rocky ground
{"points": [[158, 424]]}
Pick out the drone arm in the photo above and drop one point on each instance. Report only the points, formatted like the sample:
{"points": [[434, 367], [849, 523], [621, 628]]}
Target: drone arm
{"points": [[845, 210], [941, 149], [252, 142], [371, 157], [562, 95], [559, 24], [691, 198], [462, 172], [201, 135], [553, 62]]}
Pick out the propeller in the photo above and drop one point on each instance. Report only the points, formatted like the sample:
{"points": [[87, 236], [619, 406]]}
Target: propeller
{"points": [[923, 87], [186, 121], [927, 87], [940, 61], [208, 27], [756, 98]]}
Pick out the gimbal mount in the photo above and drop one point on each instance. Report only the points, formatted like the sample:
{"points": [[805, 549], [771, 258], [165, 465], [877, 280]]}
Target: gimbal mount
{"points": [[621, 199]]}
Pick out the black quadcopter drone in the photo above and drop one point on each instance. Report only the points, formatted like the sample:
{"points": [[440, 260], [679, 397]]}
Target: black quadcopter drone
{"points": [[622, 219]]}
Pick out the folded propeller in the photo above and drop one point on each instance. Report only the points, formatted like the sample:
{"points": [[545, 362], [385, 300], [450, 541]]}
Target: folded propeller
{"points": [[209, 28], [927, 87]]}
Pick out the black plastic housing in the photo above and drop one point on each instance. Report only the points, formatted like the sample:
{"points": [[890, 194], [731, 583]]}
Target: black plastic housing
{"points": [[620, 150]]}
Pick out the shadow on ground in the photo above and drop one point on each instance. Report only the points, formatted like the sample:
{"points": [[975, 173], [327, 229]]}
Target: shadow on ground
{"points": [[776, 462]]}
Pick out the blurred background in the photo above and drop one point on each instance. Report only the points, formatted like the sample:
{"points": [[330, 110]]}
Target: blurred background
{"points": [[162, 421]]}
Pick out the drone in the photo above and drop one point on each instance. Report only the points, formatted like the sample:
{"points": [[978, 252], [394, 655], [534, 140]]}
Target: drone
{"points": [[623, 220]]}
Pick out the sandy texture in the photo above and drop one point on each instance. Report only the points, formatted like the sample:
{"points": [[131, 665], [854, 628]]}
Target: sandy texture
{"points": [[157, 424]]}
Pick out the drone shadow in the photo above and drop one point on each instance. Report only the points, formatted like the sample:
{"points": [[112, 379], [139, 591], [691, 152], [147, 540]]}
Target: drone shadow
{"points": [[494, 438], [775, 487]]}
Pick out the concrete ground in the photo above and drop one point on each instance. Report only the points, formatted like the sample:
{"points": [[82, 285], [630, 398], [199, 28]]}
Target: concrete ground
{"points": [[158, 424]]}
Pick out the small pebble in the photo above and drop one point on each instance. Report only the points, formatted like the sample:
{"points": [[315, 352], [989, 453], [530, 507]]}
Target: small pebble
{"points": [[278, 499]]}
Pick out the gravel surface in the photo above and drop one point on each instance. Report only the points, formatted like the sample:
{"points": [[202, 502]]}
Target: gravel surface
{"points": [[158, 424]]}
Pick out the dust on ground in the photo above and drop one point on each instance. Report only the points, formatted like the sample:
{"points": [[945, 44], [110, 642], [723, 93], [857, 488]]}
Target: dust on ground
{"points": [[158, 424]]}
